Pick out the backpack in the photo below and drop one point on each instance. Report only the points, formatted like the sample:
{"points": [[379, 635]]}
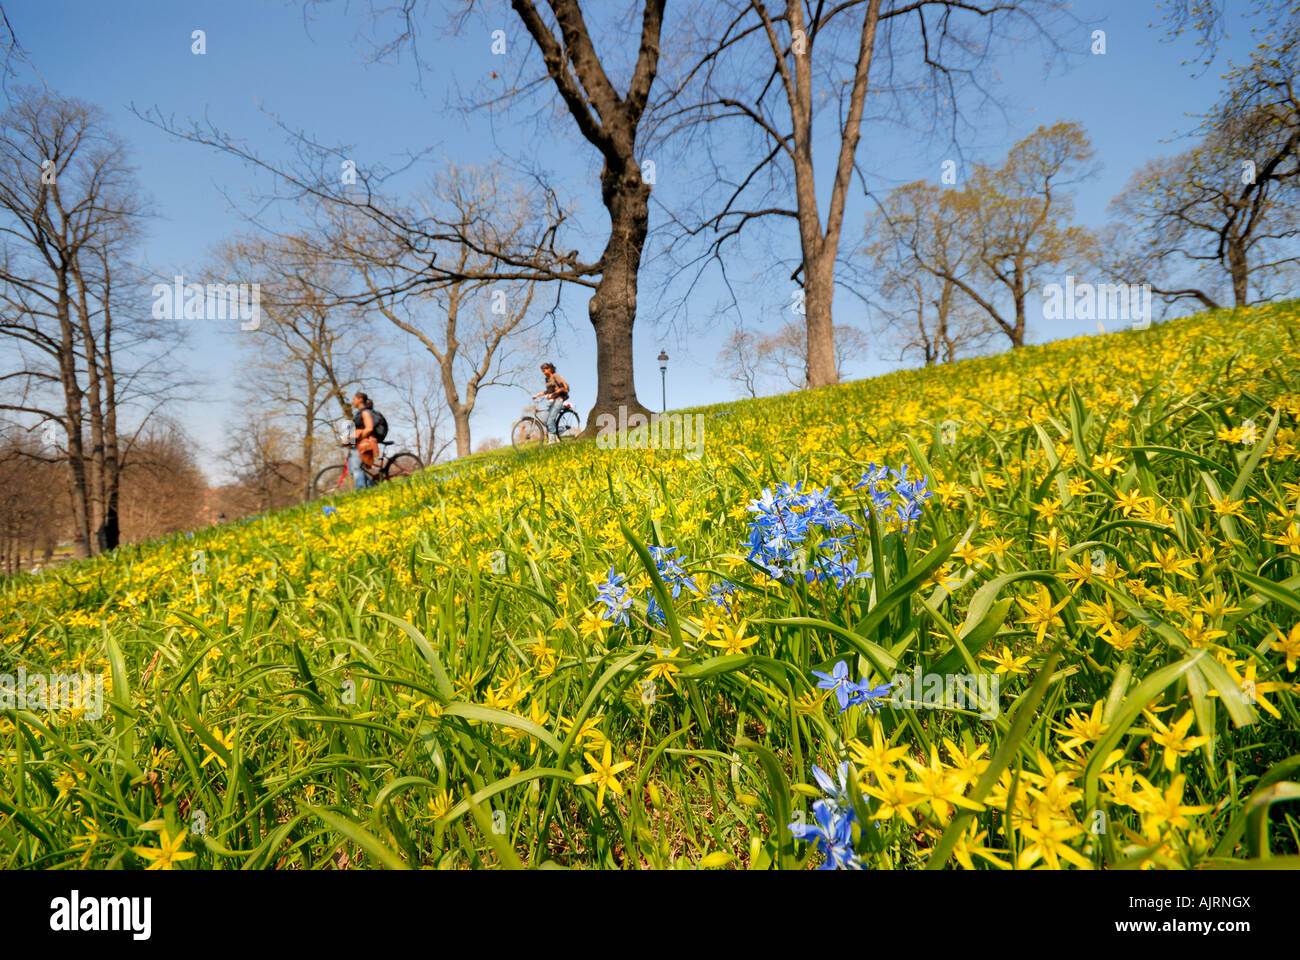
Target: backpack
{"points": [[381, 425]]}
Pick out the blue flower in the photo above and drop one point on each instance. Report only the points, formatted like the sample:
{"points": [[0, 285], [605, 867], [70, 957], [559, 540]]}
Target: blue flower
{"points": [[616, 597], [911, 493], [653, 611], [783, 522], [671, 570], [327, 510], [719, 592], [838, 680], [832, 827], [848, 693], [871, 697]]}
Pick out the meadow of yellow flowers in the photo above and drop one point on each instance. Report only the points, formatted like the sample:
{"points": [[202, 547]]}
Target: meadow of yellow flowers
{"points": [[1036, 610]]}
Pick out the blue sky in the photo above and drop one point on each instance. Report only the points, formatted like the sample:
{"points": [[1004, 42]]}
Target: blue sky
{"points": [[316, 77]]}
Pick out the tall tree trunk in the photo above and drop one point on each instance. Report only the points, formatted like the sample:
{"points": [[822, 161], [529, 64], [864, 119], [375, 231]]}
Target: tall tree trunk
{"points": [[943, 336], [612, 307], [112, 450], [307, 449], [1239, 271], [72, 397], [609, 121], [460, 416], [819, 293], [1018, 293], [820, 249], [95, 408]]}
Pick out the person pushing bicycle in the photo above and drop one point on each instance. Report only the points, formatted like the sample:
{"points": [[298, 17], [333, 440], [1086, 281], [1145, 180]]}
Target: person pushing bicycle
{"points": [[557, 391], [368, 428]]}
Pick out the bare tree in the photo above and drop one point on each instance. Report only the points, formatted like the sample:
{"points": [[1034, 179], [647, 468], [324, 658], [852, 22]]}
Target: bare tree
{"points": [[32, 514], [607, 117], [820, 57], [421, 403], [262, 459], [784, 353], [308, 350], [920, 245], [69, 214], [609, 120], [467, 326], [162, 485], [740, 359], [1219, 222], [992, 238]]}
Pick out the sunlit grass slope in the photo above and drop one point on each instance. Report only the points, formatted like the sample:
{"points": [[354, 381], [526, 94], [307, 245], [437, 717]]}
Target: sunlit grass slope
{"points": [[629, 658]]}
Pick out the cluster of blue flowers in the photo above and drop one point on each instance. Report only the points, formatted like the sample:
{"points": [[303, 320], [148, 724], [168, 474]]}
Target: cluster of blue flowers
{"points": [[832, 826], [850, 694], [615, 596], [779, 532], [720, 594], [673, 576], [670, 570], [911, 494]]}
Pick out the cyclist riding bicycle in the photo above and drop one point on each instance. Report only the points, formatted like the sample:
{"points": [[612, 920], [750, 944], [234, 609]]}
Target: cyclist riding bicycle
{"points": [[557, 391], [369, 428]]}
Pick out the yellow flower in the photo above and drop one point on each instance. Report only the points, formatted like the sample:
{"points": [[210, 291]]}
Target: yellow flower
{"points": [[167, 853], [733, 639], [1174, 739], [440, 804], [1289, 646], [1168, 561], [1006, 662], [1048, 841], [662, 668], [1107, 463], [879, 758], [1083, 729], [943, 788], [226, 741], [969, 843], [593, 624], [896, 797], [1040, 612], [1161, 810], [604, 774]]}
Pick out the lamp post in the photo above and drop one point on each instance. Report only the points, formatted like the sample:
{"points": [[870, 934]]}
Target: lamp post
{"points": [[663, 382]]}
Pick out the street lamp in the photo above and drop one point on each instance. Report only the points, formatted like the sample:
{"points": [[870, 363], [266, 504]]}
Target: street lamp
{"points": [[663, 381]]}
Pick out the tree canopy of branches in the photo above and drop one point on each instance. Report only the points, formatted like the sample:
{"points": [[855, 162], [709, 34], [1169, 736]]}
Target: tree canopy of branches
{"points": [[820, 58], [991, 239], [70, 213], [1219, 223]]}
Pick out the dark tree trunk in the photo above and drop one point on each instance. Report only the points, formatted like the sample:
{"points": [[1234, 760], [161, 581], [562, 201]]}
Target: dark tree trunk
{"points": [[612, 307]]}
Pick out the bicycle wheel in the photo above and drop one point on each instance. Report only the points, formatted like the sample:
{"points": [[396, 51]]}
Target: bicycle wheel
{"points": [[401, 465], [527, 432], [329, 480], [568, 425]]}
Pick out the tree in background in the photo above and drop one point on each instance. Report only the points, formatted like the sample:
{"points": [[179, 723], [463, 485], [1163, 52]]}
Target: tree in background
{"points": [[821, 57], [33, 514], [740, 360], [785, 353], [70, 212], [1219, 224], [471, 324], [162, 485], [993, 238], [747, 357], [308, 352], [920, 244]]}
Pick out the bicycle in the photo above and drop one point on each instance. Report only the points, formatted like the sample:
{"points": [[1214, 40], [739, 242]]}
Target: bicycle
{"points": [[397, 467], [530, 429]]}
